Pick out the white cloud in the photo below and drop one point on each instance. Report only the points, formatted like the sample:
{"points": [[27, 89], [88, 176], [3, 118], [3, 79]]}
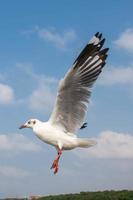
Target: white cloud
{"points": [[125, 40], [60, 40], [112, 145], [12, 172], [16, 143], [42, 99], [27, 68], [43, 96], [121, 75], [6, 94]]}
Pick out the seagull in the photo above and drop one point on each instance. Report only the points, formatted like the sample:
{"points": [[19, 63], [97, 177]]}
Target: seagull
{"points": [[72, 100]]}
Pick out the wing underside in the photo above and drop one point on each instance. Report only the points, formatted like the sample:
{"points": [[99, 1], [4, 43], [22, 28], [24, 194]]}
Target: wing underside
{"points": [[75, 88]]}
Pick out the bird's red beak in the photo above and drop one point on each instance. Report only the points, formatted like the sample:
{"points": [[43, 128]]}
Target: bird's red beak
{"points": [[22, 126]]}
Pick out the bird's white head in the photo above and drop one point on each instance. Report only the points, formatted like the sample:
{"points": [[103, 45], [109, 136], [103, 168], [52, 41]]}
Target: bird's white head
{"points": [[31, 123]]}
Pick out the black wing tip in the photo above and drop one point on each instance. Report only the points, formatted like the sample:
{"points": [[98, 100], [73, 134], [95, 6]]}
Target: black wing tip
{"points": [[91, 49], [98, 35], [102, 42], [104, 51], [107, 49], [103, 54]]}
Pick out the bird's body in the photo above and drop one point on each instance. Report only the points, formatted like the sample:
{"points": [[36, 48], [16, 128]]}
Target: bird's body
{"points": [[72, 101], [54, 136]]}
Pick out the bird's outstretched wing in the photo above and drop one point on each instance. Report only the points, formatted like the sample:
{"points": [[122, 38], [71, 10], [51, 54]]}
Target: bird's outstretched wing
{"points": [[75, 88]]}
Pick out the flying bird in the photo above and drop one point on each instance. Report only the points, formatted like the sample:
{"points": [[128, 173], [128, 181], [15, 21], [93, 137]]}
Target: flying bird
{"points": [[72, 101]]}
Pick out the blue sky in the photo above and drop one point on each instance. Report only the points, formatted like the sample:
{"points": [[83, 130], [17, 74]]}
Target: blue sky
{"points": [[39, 41]]}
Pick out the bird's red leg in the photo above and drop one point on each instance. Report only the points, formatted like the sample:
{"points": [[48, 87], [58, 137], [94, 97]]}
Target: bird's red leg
{"points": [[55, 164]]}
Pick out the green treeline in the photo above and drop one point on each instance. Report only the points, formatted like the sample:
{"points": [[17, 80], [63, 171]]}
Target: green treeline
{"points": [[105, 195]]}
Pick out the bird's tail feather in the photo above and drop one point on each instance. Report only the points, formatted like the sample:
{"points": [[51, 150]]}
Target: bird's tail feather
{"points": [[85, 143]]}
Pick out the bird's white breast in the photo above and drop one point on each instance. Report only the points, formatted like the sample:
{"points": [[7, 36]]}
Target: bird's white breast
{"points": [[54, 135]]}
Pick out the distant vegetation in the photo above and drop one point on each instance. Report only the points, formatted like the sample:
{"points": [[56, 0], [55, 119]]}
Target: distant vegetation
{"points": [[105, 195]]}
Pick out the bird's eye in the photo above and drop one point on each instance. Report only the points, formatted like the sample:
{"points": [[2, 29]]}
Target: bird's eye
{"points": [[28, 122]]}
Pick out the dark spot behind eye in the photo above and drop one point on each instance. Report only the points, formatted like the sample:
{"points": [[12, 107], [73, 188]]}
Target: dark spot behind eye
{"points": [[34, 122]]}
